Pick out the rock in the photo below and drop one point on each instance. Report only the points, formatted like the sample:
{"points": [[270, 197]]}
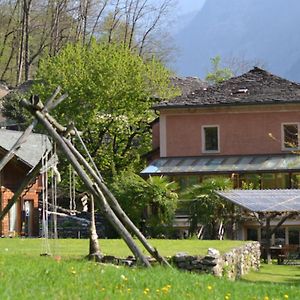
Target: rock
{"points": [[213, 252]]}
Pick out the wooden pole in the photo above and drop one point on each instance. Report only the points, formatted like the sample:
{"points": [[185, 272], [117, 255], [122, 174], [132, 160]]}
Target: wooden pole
{"points": [[50, 104], [95, 253], [33, 173], [116, 206], [93, 188], [268, 239]]}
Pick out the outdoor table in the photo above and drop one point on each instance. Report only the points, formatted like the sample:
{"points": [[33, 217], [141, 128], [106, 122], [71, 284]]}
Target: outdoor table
{"points": [[277, 252]]}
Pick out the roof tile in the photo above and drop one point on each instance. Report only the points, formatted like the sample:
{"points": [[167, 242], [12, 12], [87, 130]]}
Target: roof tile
{"points": [[254, 87]]}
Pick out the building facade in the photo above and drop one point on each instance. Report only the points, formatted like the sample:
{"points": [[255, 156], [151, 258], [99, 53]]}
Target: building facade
{"points": [[246, 128]]}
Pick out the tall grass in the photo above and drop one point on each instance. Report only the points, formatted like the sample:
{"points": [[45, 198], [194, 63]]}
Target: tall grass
{"points": [[26, 275]]}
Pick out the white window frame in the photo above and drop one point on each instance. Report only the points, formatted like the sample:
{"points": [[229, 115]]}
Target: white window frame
{"points": [[203, 138], [283, 147]]}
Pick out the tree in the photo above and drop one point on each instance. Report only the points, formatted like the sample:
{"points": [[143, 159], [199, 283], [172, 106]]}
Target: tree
{"points": [[28, 29], [111, 91], [240, 64], [31, 29], [218, 74], [12, 110], [206, 207], [149, 203]]}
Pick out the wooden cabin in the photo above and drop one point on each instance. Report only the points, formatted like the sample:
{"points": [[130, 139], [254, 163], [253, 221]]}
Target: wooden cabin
{"points": [[23, 217]]}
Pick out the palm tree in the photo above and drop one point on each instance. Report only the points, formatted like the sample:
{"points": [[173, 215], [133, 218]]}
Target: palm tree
{"points": [[206, 207]]}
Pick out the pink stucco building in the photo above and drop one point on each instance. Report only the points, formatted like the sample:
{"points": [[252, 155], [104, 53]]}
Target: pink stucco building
{"points": [[246, 128]]}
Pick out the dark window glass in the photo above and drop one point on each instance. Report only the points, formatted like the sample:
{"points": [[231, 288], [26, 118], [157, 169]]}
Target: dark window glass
{"points": [[211, 139], [290, 135], [252, 234], [280, 236], [294, 237], [268, 181]]}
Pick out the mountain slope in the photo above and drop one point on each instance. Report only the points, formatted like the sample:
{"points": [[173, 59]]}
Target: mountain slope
{"points": [[265, 31]]}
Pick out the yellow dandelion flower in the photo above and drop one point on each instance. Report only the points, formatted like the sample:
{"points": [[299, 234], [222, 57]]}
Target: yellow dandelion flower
{"points": [[158, 290], [209, 287], [168, 286], [73, 272], [266, 298], [128, 290], [286, 296], [123, 277], [227, 297], [103, 289]]}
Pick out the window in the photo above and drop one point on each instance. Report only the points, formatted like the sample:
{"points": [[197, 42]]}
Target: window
{"points": [[210, 138], [294, 236], [290, 137], [252, 234]]}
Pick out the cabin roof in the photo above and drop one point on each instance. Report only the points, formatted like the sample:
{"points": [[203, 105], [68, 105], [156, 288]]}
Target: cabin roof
{"points": [[31, 151]]}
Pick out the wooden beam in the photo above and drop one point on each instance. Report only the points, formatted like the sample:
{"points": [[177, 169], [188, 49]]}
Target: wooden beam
{"points": [[92, 187], [113, 202], [50, 104]]}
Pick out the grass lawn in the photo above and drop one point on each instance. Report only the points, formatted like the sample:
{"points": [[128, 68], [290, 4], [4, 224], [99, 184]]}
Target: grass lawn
{"points": [[26, 275], [288, 274], [79, 248]]}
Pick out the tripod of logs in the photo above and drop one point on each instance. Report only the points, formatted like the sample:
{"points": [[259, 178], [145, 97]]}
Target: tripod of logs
{"points": [[92, 179]]}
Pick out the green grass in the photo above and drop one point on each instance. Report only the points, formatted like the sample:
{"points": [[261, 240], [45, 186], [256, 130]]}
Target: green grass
{"points": [[26, 275], [79, 248], [275, 273]]}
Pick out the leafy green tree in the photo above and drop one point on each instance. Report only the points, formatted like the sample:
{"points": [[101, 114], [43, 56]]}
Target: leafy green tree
{"points": [[12, 110], [218, 74], [206, 207], [152, 201], [111, 91]]}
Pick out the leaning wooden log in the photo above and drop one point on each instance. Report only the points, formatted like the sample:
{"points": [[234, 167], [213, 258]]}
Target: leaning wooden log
{"points": [[92, 187], [33, 173], [116, 206], [50, 104]]}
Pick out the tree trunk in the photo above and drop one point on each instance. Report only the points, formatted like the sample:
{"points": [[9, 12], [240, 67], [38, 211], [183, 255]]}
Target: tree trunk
{"points": [[27, 7], [94, 253], [268, 240], [20, 61]]}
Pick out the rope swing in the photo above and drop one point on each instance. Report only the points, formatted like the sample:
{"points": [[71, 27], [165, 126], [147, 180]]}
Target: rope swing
{"points": [[49, 165], [45, 221], [72, 191]]}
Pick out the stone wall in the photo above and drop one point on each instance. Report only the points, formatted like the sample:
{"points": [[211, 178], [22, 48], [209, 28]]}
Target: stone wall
{"points": [[234, 264]]}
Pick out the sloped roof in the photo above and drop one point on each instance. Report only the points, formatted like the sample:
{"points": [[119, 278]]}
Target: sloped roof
{"points": [[264, 200], [188, 84], [223, 164], [254, 87], [31, 151]]}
